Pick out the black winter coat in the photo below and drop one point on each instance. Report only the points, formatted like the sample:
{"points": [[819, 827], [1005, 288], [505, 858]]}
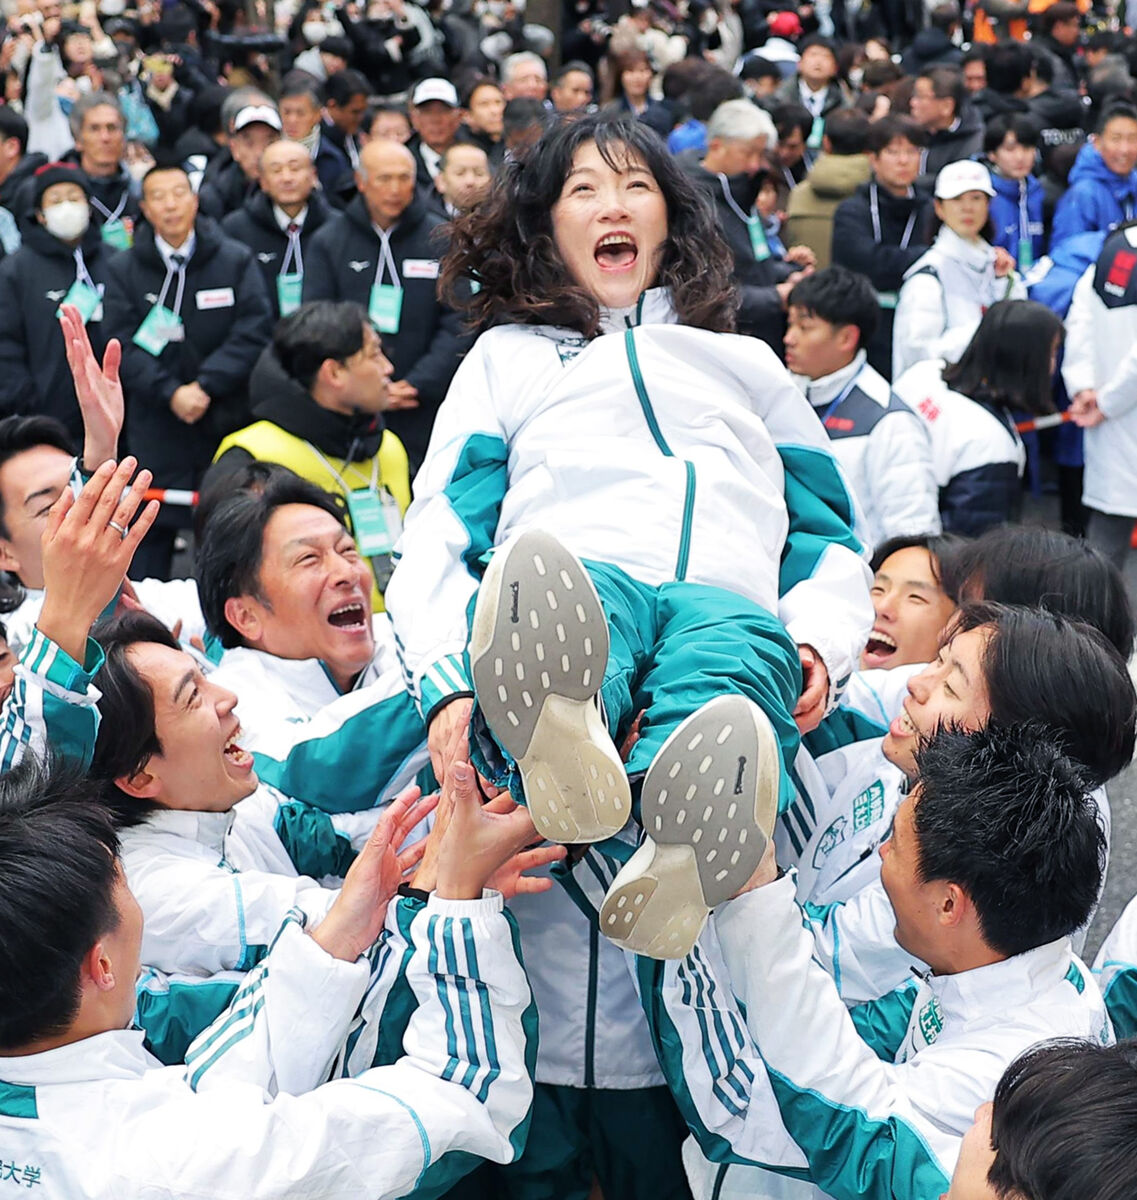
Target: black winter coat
{"points": [[111, 195], [254, 225], [226, 192], [761, 313], [34, 377], [223, 338], [342, 265], [884, 264]]}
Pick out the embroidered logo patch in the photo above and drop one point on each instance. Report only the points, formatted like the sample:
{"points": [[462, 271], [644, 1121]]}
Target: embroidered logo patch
{"points": [[931, 1020]]}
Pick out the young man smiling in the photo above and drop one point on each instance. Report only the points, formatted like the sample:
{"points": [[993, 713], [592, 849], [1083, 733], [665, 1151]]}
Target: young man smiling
{"points": [[994, 859]]}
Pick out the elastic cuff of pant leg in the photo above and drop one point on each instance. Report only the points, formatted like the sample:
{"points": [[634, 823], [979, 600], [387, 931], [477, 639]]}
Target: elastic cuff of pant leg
{"points": [[489, 759]]}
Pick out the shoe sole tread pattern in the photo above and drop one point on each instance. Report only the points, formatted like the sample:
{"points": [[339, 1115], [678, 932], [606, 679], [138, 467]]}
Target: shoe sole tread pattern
{"points": [[538, 652], [708, 807]]}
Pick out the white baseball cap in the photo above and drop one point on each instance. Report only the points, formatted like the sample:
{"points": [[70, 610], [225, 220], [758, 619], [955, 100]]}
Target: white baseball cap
{"points": [[959, 177], [435, 89], [257, 114]]}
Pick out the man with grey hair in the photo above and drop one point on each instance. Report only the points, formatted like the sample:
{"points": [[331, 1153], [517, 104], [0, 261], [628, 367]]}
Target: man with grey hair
{"points": [[99, 130], [739, 135], [383, 253], [524, 76]]}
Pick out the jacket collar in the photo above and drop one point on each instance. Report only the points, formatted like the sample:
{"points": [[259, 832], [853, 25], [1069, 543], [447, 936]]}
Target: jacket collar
{"points": [[205, 828], [654, 307], [826, 389], [975, 256], [205, 247], [116, 1054], [412, 217], [1015, 981]]}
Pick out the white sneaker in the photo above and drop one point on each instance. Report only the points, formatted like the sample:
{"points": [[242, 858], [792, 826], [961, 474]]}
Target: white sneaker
{"points": [[538, 652], [708, 807]]}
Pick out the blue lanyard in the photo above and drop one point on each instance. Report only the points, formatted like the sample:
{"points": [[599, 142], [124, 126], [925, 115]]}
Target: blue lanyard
{"points": [[844, 393]]}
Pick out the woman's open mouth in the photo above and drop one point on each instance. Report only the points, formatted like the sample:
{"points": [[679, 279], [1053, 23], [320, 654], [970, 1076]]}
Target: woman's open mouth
{"points": [[616, 252]]}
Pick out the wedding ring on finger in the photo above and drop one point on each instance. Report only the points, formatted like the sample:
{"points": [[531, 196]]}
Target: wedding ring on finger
{"points": [[115, 525]]}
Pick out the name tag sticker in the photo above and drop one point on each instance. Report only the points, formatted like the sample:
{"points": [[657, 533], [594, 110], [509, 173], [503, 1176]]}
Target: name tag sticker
{"points": [[420, 268], [215, 298]]}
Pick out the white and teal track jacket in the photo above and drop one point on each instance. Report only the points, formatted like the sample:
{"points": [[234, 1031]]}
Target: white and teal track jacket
{"points": [[341, 752], [876, 1098], [1116, 969], [100, 1119], [670, 452]]}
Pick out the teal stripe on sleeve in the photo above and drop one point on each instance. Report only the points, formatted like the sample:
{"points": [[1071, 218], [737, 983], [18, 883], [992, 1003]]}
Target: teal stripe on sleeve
{"points": [[821, 512]]}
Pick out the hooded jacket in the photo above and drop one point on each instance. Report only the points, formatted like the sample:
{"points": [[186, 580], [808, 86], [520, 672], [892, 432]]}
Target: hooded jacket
{"points": [[813, 203], [1016, 214], [343, 263], [1096, 197], [761, 314], [963, 139], [930, 48], [254, 225], [114, 196], [883, 249], [34, 376], [226, 192], [227, 322]]}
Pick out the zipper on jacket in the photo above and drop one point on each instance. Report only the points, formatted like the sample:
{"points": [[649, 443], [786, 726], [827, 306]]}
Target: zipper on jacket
{"points": [[657, 435], [590, 1006]]}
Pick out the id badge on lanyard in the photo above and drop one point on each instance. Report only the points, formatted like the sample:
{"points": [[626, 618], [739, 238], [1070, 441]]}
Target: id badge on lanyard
{"points": [[160, 327], [385, 307], [117, 234], [758, 241], [85, 299], [377, 525], [288, 292], [1026, 254]]}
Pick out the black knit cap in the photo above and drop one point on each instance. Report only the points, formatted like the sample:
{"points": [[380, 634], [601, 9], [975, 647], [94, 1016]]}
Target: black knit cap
{"points": [[59, 172]]}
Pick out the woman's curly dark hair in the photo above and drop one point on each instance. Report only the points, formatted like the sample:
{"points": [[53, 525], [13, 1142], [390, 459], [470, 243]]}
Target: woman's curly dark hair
{"points": [[506, 244]]}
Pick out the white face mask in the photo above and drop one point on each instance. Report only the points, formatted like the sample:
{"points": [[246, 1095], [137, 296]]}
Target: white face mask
{"points": [[112, 8], [314, 32], [67, 221]]}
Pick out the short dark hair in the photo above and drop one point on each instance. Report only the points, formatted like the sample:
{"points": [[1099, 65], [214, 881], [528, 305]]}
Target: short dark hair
{"points": [[840, 297], [128, 735], [480, 82], [1025, 129], [18, 434], [574, 65], [59, 852], [817, 39], [521, 113], [879, 72], [945, 16], [507, 242], [1044, 568], [847, 131], [12, 125], [1007, 362], [1111, 112], [884, 132], [944, 549], [1006, 816], [231, 549], [1008, 67], [315, 332], [1062, 674], [162, 168], [1057, 14], [1042, 64], [710, 88], [788, 117], [947, 84], [300, 83], [757, 67], [1064, 1122], [342, 85]]}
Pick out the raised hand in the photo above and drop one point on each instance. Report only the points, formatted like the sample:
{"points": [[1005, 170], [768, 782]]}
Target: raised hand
{"points": [[98, 389], [88, 544], [355, 920]]}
